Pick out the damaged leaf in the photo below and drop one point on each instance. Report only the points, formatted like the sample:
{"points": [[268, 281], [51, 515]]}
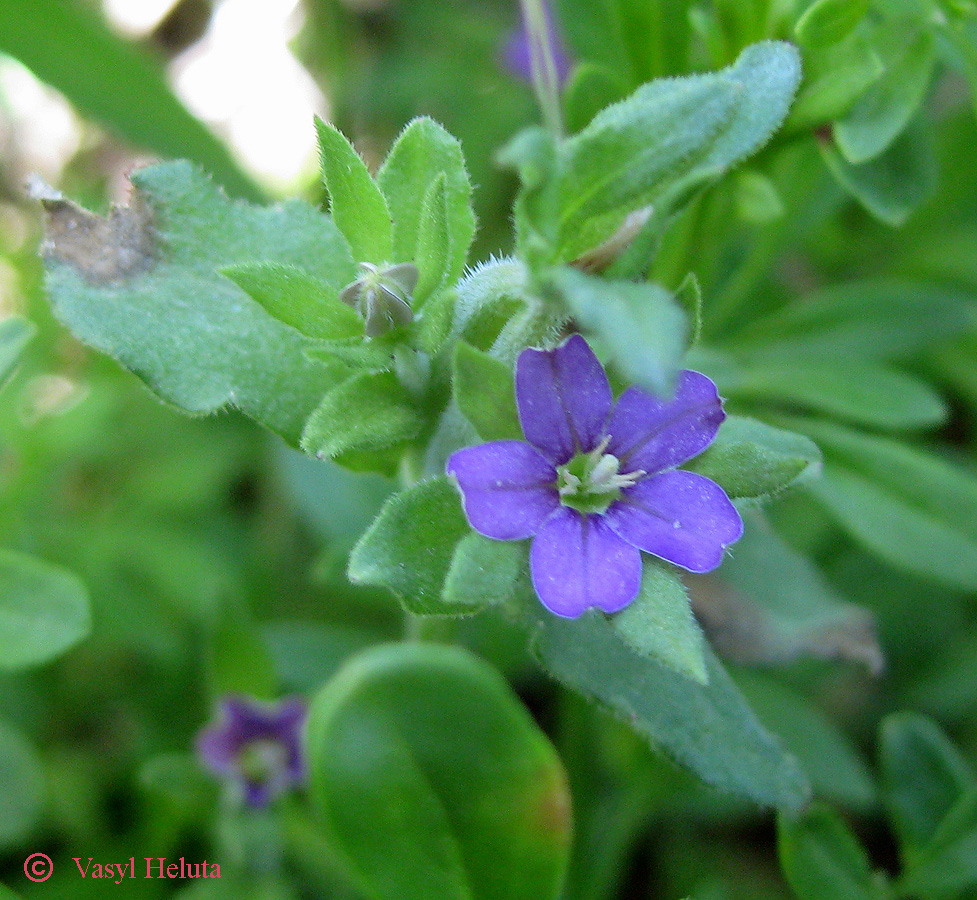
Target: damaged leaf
{"points": [[771, 606], [144, 286]]}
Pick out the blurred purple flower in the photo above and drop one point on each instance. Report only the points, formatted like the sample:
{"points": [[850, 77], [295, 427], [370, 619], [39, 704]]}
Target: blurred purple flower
{"points": [[256, 746], [595, 481], [518, 51]]}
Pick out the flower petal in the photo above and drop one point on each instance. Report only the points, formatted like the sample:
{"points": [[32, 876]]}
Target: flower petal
{"points": [[653, 434], [564, 398], [577, 563], [682, 517], [507, 488]]}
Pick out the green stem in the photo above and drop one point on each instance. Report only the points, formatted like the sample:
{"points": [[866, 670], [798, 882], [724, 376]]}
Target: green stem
{"points": [[542, 63]]}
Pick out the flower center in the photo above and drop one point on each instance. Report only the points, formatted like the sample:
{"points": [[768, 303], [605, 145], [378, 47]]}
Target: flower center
{"points": [[591, 482], [262, 761]]}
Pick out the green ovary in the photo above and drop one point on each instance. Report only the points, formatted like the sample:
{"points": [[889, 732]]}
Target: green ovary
{"points": [[591, 482]]}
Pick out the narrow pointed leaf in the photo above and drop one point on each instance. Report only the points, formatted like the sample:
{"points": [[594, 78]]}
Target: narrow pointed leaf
{"points": [[357, 206]]}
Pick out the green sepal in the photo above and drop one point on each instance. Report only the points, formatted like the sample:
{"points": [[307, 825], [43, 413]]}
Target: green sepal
{"points": [[484, 572], [485, 393], [659, 624], [751, 460], [410, 546], [295, 297], [358, 207], [369, 411]]}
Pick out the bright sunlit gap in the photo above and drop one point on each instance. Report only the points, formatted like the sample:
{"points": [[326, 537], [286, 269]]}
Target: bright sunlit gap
{"points": [[264, 111]]}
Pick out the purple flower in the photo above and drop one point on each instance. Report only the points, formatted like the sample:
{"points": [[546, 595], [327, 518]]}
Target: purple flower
{"points": [[518, 51], [595, 482], [256, 746]]}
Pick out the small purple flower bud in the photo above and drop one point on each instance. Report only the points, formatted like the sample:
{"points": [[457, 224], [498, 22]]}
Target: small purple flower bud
{"points": [[518, 54], [256, 747]]}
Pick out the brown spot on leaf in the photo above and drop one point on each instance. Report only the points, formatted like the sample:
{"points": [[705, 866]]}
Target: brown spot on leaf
{"points": [[744, 632], [103, 250]]}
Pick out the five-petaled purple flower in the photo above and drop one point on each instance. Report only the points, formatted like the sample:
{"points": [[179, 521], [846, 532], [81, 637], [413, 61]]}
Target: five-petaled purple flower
{"points": [[256, 747], [596, 482]]}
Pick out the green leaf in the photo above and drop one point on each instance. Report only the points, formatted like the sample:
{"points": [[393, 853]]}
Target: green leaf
{"points": [[948, 865], [688, 295], [433, 240], [358, 207], [864, 393], [238, 661], [144, 287], [821, 859], [422, 154], [873, 319], [708, 728], [307, 653], [892, 185], [114, 82], [370, 411], [669, 131], [834, 78], [753, 461], [923, 775], [299, 299], [757, 200], [641, 327], [835, 765], [484, 572], [432, 781], [15, 334], [659, 624], [591, 88], [827, 22], [908, 537], [43, 611], [485, 393], [410, 547], [22, 798], [773, 606], [886, 108], [924, 516]]}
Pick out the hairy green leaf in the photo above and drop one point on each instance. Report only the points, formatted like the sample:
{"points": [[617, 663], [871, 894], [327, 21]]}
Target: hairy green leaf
{"points": [[299, 299], [659, 624], [143, 286], [708, 728], [753, 461], [422, 154], [485, 393], [358, 207], [410, 546]]}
